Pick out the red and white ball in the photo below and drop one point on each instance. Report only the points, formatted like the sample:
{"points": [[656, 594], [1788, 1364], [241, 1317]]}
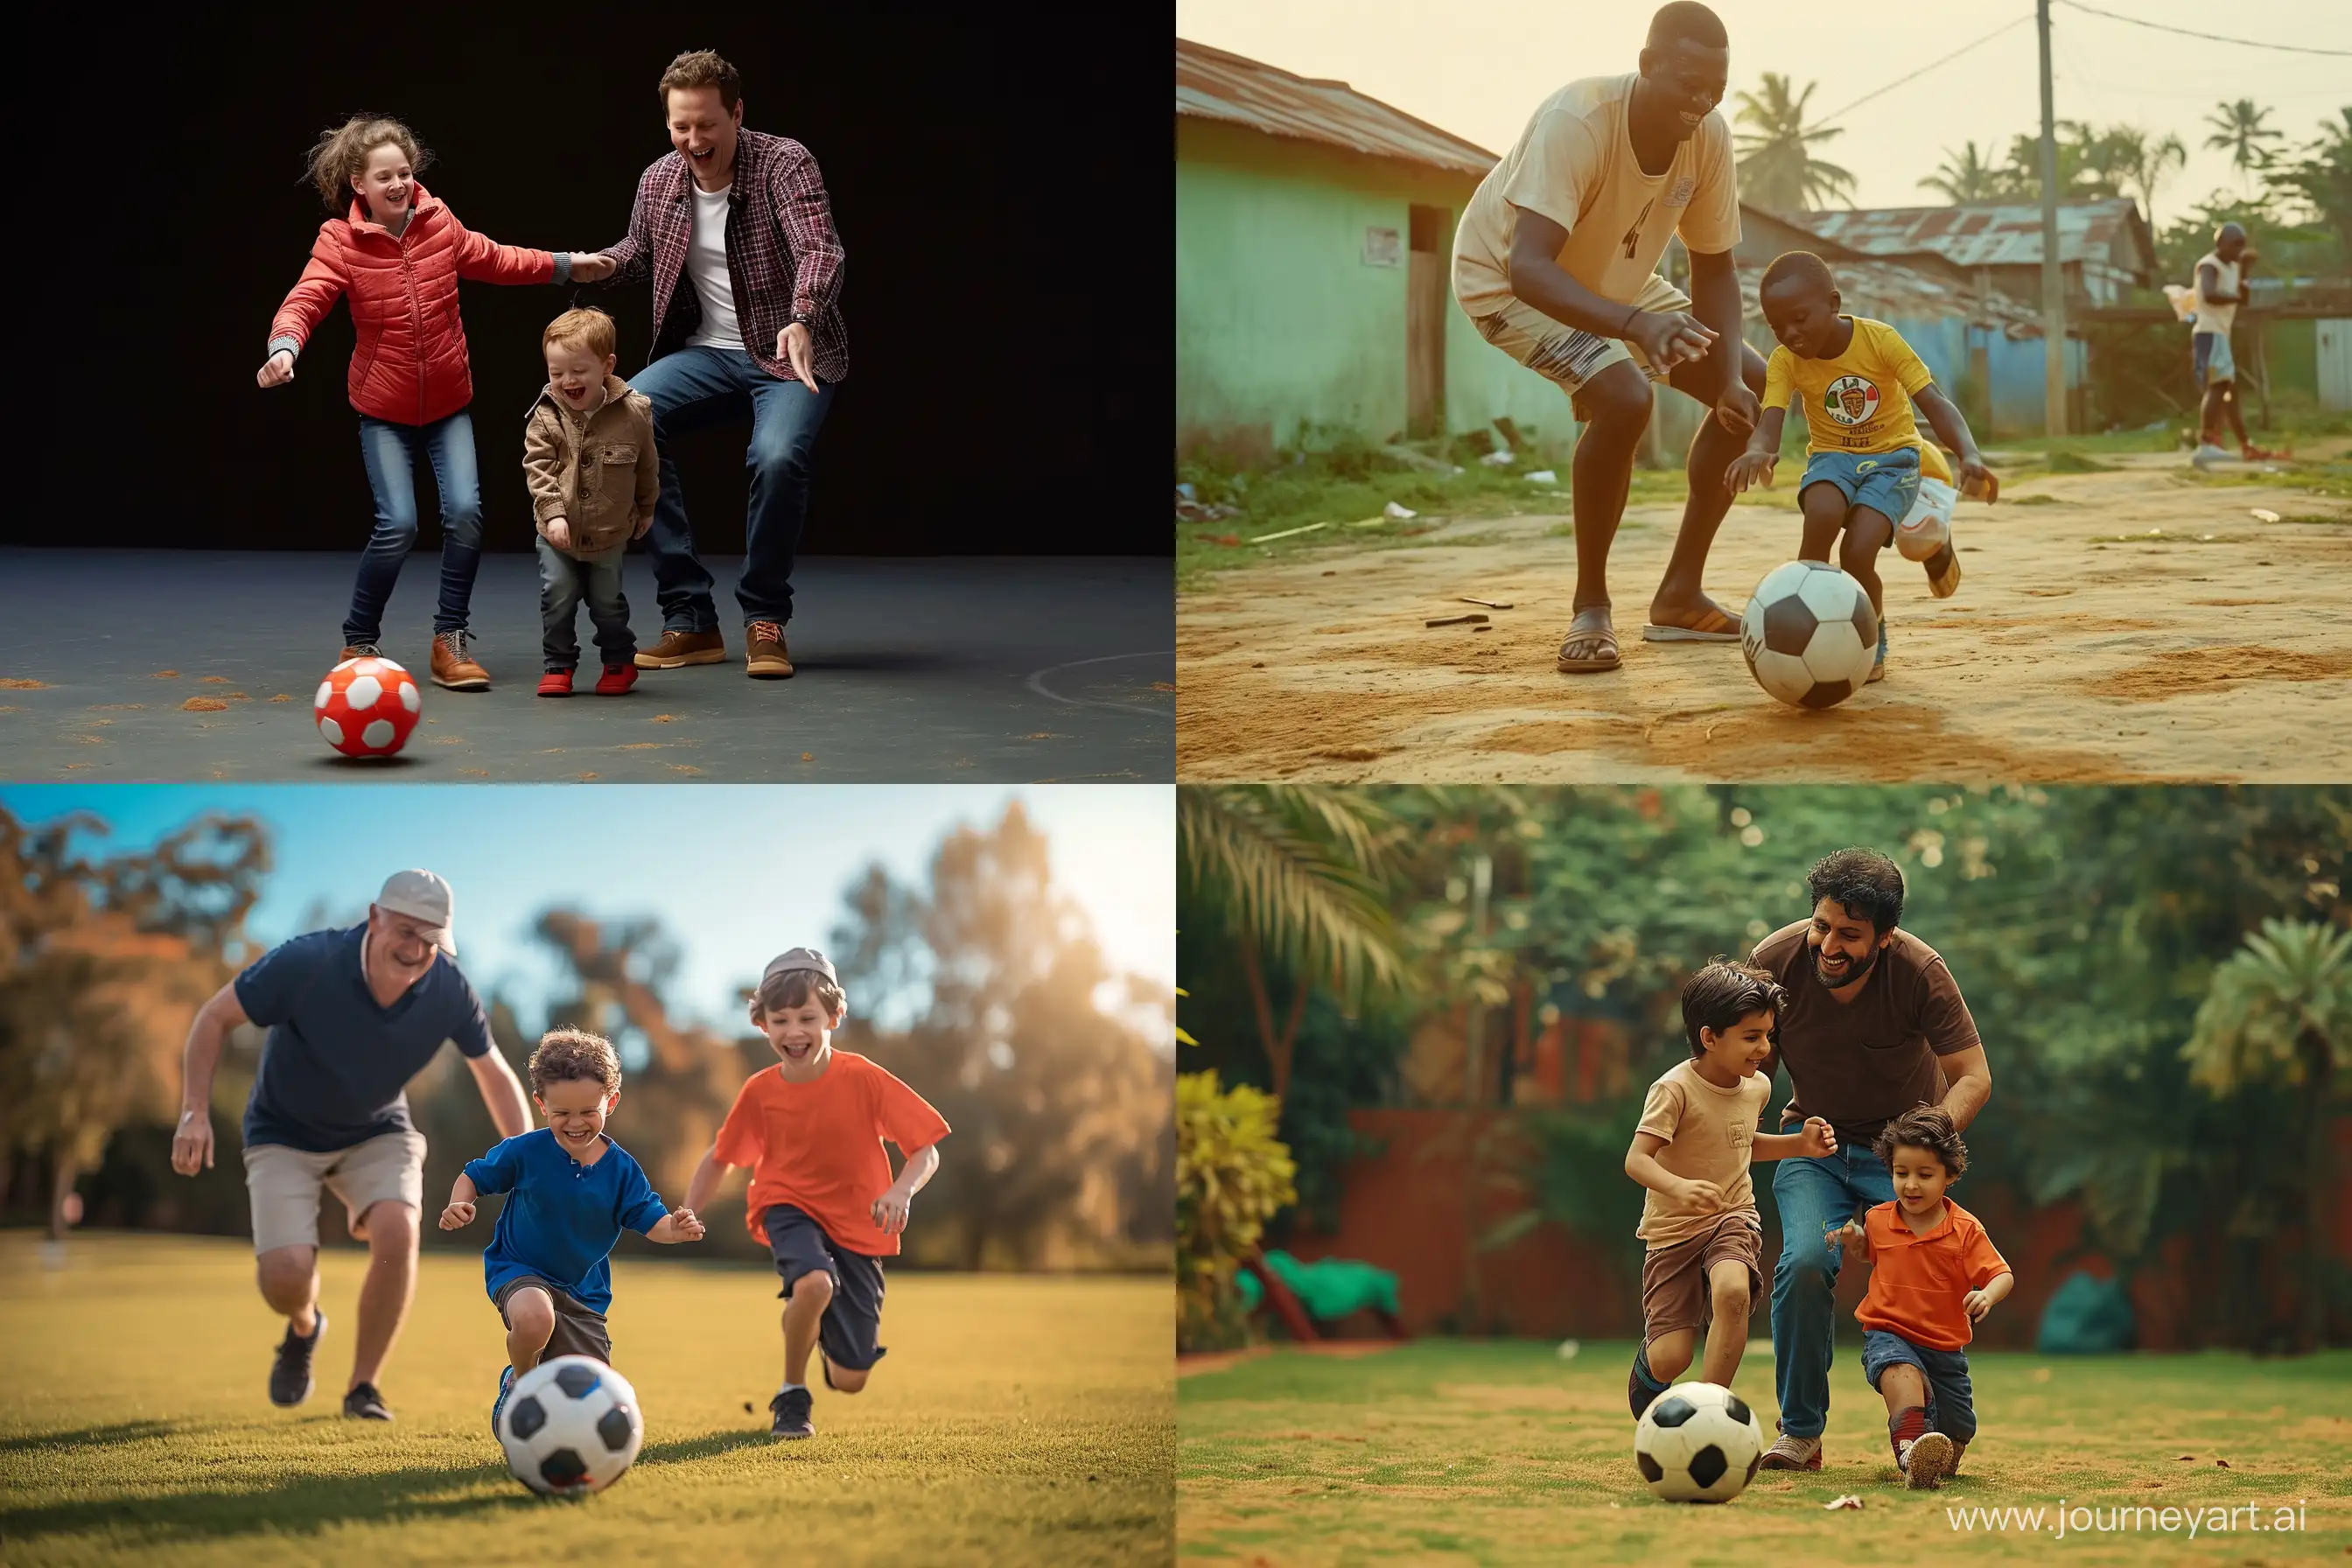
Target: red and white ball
{"points": [[366, 707]]}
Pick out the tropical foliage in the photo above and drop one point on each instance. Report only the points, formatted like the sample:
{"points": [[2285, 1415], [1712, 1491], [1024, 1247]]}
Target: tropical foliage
{"points": [[1779, 170], [1232, 1176]]}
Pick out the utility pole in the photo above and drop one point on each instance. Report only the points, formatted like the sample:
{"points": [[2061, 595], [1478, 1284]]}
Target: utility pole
{"points": [[2053, 280]]}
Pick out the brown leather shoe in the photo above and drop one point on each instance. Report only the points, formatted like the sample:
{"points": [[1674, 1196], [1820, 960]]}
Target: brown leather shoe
{"points": [[453, 667], [359, 650], [677, 648], [767, 660]]}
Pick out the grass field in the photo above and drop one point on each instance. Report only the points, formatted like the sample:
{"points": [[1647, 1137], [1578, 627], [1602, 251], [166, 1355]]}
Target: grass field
{"points": [[1500, 1452], [1017, 1419]]}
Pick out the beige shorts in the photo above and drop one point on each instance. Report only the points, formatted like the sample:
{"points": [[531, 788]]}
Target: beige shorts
{"points": [[1566, 354], [283, 1184]]}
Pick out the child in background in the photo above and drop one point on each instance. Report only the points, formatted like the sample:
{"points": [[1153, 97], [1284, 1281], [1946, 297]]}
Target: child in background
{"points": [[1858, 380], [1692, 1151], [571, 1193], [1935, 1276], [588, 456], [822, 1195]]}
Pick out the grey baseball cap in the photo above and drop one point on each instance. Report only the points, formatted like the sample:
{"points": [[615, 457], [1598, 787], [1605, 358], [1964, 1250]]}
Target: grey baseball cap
{"points": [[426, 898], [807, 957]]}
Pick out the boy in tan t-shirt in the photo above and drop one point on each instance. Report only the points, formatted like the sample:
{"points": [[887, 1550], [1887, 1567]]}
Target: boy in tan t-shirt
{"points": [[1692, 1149]]}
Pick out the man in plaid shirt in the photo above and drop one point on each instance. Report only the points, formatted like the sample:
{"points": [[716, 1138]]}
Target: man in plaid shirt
{"points": [[736, 232]]}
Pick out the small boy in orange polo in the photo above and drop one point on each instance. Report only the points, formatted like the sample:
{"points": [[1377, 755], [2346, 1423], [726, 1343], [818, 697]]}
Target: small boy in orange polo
{"points": [[1935, 1274], [821, 1196]]}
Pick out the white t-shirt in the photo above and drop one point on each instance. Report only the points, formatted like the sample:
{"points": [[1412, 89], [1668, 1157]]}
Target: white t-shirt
{"points": [[706, 265], [1574, 164], [2216, 315]]}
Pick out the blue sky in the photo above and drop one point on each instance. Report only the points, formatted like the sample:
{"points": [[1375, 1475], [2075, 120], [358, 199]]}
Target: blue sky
{"points": [[735, 873]]}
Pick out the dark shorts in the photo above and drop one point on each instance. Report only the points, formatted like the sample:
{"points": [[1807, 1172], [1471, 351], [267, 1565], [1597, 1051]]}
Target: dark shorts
{"points": [[1886, 482], [1675, 1292], [855, 1318], [1951, 1401], [579, 1328]]}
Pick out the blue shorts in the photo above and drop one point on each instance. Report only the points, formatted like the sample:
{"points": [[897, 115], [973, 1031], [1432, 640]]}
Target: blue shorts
{"points": [[2209, 351], [1886, 482], [847, 1332], [1951, 1402]]}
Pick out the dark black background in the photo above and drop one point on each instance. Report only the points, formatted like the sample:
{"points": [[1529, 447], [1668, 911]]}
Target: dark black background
{"points": [[1002, 185]]}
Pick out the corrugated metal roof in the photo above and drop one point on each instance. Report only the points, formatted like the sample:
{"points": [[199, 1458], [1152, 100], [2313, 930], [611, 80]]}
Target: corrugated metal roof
{"points": [[1876, 286], [2009, 235], [1213, 85]]}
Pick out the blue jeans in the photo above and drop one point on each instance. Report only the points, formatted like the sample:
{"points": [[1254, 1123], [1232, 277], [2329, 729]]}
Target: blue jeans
{"points": [[696, 387], [1951, 1401], [563, 582], [390, 452], [1810, 1193]]}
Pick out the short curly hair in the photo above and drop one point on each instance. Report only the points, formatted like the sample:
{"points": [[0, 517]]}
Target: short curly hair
{"points": [[1927, 1127], [1721, 993], [567, 1054]]}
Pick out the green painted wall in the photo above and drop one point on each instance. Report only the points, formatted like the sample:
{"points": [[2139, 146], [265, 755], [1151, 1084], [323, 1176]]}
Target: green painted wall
{"points": [[1279, 321]]}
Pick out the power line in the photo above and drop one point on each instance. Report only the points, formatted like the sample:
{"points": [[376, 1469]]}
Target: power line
{"points": [[2208, 38], [1922, 71]]}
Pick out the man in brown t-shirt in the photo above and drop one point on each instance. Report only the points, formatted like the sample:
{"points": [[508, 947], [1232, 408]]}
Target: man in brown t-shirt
{"points": [[1872, 1025]]}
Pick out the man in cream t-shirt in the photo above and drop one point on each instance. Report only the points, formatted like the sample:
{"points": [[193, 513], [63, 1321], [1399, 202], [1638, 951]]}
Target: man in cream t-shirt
{"points": [[1555, 262]]}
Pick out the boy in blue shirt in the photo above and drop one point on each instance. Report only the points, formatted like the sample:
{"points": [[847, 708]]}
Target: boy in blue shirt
{"points": [[571, 1193]]}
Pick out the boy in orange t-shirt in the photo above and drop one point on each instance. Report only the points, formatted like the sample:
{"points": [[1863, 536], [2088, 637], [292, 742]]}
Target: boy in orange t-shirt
{"points": [[1934, 1275], [822, 1195]]}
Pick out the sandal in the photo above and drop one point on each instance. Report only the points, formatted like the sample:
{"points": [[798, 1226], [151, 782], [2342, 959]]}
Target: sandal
{"points": [[1719, 627], [1591, 628]]}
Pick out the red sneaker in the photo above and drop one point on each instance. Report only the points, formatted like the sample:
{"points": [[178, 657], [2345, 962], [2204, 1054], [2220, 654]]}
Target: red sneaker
{"points": [[555, 683], [616, 679]]}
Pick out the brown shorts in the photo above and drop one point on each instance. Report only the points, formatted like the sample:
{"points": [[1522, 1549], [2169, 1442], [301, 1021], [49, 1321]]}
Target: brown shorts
{"points": [[1674, 1293], [578, 1327]]}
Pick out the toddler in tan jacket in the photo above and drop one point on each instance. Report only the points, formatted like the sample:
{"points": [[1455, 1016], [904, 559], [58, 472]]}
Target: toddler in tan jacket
{"points": [[588, 456]]}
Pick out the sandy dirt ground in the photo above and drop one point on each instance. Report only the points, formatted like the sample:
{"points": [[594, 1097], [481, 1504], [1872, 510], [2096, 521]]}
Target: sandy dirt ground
{"points": [[2083, 645]]}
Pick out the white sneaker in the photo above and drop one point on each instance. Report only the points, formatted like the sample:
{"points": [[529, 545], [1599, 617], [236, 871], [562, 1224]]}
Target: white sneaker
{"points": [[2209, 454], [1787, 1453], [1926, 1461]]}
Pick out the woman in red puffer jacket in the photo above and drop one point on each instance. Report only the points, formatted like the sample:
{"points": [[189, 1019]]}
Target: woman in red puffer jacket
{"points": [[397, 255]]}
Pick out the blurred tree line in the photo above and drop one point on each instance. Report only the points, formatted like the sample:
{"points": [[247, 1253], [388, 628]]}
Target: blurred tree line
{"points": [[2162, 978], [998, 1006]]}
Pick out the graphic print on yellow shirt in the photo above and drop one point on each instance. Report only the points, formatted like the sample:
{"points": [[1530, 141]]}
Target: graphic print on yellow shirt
{"points": [[1858, 402]]}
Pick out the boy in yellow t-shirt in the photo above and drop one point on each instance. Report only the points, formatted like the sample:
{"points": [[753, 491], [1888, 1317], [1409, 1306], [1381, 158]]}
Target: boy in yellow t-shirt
{"points": [[1858, 380]]}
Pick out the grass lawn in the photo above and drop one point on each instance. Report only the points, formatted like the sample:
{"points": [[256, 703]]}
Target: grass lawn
{"points": [[1500, 1452], [1018, 1419]]}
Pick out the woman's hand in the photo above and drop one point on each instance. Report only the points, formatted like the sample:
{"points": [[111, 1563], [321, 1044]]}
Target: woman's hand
{"points": [[277, 370], [591, 267]]}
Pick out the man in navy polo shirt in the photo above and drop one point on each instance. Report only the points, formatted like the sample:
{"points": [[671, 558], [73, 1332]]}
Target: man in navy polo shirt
{"points": [[352, 1016]]}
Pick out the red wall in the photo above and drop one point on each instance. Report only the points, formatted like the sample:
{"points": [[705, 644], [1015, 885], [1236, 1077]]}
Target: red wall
{"points": [[1414, 1207]]}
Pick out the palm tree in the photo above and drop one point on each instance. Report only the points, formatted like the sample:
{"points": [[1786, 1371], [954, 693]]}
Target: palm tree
{"points": [[2238, 130], [1965, 176], [2322, 178], [1298, 871], [1778, 170], [2141, 161], [2280, 1010], [2086, 164]]}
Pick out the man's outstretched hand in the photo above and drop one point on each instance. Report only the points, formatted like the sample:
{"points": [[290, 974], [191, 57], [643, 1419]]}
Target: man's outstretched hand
{"points": [[1739, 410], [797, 348]]}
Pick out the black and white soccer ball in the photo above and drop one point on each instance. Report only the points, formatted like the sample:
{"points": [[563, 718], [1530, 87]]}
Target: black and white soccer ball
{"points": [[1810, 633], [571, 1426], [1698, 1442]]}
